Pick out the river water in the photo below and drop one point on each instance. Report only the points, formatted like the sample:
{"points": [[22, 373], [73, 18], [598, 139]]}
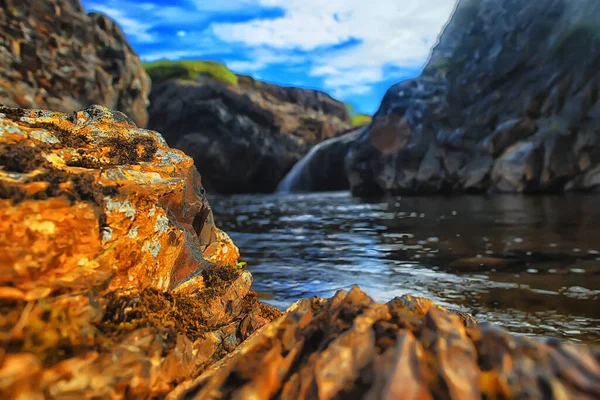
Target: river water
{"points": [[529, 264]]}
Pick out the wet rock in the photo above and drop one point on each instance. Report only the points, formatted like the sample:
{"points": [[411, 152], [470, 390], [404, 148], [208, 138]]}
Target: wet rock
{"points": [[352, 347], [505, 104], [114, 279], [243, 138], [55, 56]]}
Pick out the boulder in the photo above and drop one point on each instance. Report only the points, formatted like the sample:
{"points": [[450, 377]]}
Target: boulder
{"points": [[244, 138], [114, 279], [55, 56], [508, 102]]}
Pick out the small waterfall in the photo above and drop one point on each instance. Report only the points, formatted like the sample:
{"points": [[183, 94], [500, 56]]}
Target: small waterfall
{"points": [[322, 169], [290, 181]]}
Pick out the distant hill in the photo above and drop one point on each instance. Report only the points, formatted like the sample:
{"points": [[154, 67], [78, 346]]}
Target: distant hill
{"points": [[244, 134]]}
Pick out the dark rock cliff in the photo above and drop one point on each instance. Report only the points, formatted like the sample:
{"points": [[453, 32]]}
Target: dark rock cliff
{"points": [[54, 55], [508, 102], [244, 138]]}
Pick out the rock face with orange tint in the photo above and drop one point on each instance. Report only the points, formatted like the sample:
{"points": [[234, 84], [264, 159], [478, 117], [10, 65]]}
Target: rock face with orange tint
{"points": [[53, 55], [350, 347], [113, 276]]}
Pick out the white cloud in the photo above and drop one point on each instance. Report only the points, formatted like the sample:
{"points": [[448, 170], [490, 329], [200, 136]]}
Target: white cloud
{"points": [[388, 33], [181, 33], [263, 57]]}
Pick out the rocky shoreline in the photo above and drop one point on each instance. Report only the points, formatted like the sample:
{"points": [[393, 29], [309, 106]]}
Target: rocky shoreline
{"points": [[115, 283]]}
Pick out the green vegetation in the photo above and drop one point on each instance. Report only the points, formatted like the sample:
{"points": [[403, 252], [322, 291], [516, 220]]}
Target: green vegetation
{"points": [[440, 63], [240, 264], [357, 120], [190, 69]]}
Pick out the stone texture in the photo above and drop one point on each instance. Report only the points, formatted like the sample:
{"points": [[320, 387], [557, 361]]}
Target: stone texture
{"points": [[243, 139], [54, 56], [115, 283], [351, 347], [114, 280], [508, 102]]}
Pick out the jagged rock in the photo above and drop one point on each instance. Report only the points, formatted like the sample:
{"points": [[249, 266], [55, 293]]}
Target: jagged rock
{"points": [[350, 347], [108, 281], [54, 56], [508, 102], [244, 138]]}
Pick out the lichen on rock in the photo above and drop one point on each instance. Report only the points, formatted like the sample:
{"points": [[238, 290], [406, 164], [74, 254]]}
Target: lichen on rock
{"points": [[113, 277]]}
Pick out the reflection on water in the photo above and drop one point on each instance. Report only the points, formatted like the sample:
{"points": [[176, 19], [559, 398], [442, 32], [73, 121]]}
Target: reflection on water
{"points": [[530, 264]]}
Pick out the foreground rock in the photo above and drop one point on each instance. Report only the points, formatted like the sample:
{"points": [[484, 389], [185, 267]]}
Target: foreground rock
{"points": [[115, 283], [350, 347], [108, 281], [507, 104], [243, 138], [53, 55]]}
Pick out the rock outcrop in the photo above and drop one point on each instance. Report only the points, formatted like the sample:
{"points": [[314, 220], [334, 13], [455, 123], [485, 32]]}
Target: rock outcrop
{"points": [[115, 283], [350, 347], [54, 56], [508, 102], [114, 280], [243, 138]]}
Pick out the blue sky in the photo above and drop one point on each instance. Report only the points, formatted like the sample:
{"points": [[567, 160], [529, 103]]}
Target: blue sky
{"points": [[351, 49]]}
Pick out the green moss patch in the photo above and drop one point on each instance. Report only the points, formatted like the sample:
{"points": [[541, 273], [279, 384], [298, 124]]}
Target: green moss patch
{"points": [[359, 120], [190, 69]]}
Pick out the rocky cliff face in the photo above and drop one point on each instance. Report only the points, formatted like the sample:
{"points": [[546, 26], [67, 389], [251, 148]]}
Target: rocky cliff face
{"points": [[53, 55], [243, 138], [508, 102], [115, 283]]}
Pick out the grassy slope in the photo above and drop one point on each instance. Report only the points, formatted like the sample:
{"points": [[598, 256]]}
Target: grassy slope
{"points": [[358, 120], [189, 69]]}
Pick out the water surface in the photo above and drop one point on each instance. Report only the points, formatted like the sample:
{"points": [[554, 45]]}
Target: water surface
{"points": [[530, 264]]}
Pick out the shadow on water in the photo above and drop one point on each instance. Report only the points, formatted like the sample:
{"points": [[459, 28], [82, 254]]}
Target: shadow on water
{"points": [[530, 264]]}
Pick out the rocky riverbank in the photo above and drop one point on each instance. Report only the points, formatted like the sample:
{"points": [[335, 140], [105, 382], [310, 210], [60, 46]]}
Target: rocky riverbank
{"points": [[115, 283]]}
